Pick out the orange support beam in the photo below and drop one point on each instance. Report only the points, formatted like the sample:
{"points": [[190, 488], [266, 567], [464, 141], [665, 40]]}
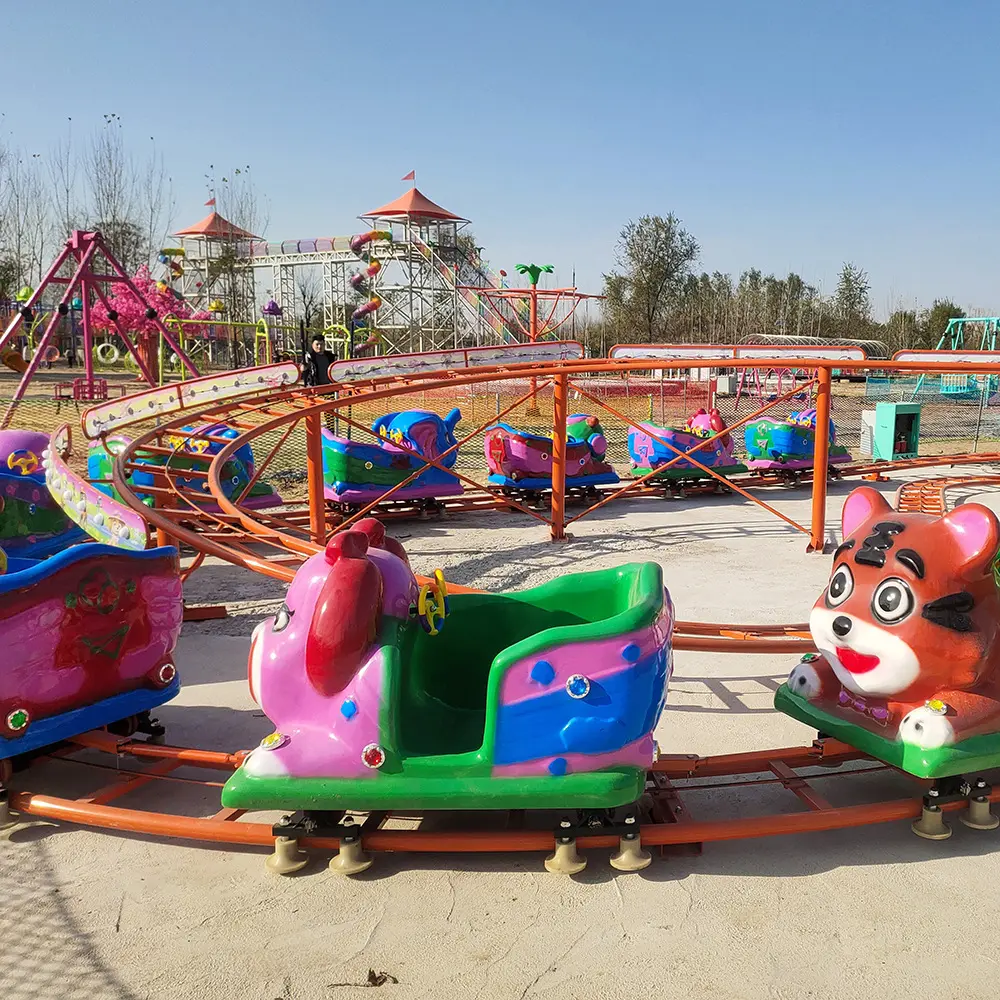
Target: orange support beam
{"points": [[560, 394], [821, 462], [314, 473]]}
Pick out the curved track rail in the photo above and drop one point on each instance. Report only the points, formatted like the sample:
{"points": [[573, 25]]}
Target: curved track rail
{"points": [[928, 496], [275, 543], [665, 818]]}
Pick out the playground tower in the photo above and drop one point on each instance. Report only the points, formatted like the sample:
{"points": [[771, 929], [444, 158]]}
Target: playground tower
{"points": [[424, 282], [214, 270]]}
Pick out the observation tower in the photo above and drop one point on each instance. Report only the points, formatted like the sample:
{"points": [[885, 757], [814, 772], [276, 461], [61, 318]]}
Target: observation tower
{"points": [[427, 280], [212, 267]]}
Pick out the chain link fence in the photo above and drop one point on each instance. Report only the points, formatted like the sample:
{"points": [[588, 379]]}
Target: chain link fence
{"points": [[959, 413]]}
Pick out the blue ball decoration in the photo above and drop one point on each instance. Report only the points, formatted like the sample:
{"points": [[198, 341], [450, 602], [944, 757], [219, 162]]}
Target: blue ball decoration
{"points": [[558, 767], [631, 652], [349, 709], [543, 672]]}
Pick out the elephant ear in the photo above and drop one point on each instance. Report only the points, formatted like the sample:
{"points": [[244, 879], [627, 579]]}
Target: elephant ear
{"points": [[346, 616], [378, 539]]}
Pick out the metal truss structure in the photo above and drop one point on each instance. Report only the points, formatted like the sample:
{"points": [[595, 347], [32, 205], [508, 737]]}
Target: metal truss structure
{"points": [[433, 288]]}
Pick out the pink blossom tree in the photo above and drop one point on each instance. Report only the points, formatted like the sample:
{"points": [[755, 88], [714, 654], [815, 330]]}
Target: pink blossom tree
{"points": [[131, 313]]}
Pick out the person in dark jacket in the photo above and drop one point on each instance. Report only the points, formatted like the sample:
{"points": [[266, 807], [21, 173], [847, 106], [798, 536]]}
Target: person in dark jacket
{"points": [[318, 361], [317, 371]]}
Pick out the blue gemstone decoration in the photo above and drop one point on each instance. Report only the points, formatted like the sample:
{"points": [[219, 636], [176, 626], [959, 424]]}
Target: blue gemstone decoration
{"points": [[578, 686], [543, 672], [631, 652], [558, 766], [348, 709]]}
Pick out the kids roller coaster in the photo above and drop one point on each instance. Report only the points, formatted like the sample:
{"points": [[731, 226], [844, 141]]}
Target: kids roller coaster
{"points": [[400, 695]]}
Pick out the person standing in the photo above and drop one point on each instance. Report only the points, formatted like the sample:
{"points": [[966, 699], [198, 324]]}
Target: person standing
{"points": [[318, 361], [317, 370]]}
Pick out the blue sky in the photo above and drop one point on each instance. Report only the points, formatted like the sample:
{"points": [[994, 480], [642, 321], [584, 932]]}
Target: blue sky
{"points": [[784, 134]]}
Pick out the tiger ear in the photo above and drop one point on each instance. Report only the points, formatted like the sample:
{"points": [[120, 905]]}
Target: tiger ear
{"points": [[860, 506], [976, 532]]}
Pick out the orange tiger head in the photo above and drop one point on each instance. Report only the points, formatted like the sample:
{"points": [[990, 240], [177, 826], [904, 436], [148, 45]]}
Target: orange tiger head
{"points": [[912, 605]]}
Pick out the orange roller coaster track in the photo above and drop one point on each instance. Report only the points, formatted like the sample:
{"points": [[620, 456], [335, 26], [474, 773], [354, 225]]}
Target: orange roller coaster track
{"points": [[666, 820], [276, 544]]}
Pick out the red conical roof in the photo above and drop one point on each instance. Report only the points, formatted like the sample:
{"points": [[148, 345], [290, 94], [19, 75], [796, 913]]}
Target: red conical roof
{"points": [[414, 204], [214, 226]]}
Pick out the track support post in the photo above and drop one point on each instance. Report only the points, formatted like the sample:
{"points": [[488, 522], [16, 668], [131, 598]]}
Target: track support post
{"points": [[560, 394], [978, 815], [350, 859], [630, 856], [565, 860], [931, 825], [287, 858], [314, 475], [821, 461], [5, 815]]}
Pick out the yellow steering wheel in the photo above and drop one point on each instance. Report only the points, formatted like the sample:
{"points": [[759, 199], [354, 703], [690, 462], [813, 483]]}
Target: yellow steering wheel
{"points": [[3, 562], [26, 461], [432, 604]]}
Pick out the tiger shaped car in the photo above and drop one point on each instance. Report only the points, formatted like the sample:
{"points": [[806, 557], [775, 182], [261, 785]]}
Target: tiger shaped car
{"points": [[907, 633]]}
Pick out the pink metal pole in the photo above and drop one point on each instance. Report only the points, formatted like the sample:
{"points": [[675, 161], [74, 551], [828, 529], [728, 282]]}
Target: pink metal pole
{"points": [[47, 336], [50, 274], [88, 359]]}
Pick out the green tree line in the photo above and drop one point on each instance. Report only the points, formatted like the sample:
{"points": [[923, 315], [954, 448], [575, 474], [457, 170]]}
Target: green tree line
{"points": [[655, 294]]}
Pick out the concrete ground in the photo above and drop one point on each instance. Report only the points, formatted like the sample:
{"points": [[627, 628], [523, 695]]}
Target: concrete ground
{"points": [[845, 914]]}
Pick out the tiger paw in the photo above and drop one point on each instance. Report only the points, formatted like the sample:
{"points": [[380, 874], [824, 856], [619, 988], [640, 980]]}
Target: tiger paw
{"points": [[926, 727]]}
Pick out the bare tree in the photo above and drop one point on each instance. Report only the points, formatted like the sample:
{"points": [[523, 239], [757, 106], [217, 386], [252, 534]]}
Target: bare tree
{"points": [[125, 200], [156, 200], [63, 171], [110, 183], [25, 216], [238, 200], [309, 298]]}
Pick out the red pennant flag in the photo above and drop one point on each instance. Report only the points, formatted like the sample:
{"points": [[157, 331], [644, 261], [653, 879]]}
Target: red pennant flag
{"points": [[411, 176], [211, 201]]}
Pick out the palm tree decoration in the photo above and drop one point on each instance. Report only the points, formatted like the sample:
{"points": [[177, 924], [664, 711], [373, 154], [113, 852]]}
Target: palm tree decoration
{"points": [[533, 271]]}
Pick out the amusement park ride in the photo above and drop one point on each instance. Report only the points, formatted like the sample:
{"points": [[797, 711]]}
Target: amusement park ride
{"points": [[432, 288], [94, 274], [410, 283], [397, 694]]}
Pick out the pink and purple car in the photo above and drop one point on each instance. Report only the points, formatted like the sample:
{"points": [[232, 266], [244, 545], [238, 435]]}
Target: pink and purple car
{"points": [[520, 460], [386, 694], [648, 445]]}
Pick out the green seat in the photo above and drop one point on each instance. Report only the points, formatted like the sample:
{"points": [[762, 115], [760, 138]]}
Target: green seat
{"points": [[446, 677]]}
